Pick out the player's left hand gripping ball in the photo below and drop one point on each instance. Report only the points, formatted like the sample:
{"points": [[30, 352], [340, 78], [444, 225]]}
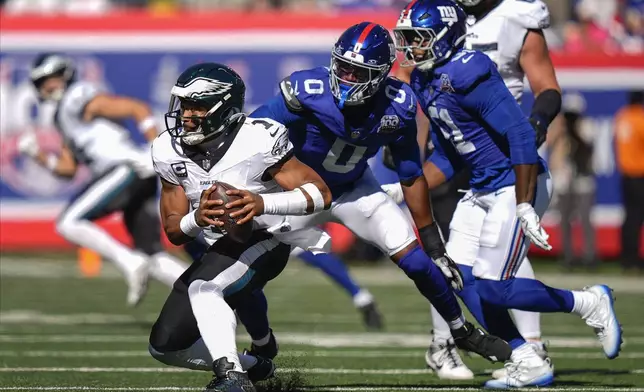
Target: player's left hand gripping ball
{"points": [[246, 203], [532, 227]]}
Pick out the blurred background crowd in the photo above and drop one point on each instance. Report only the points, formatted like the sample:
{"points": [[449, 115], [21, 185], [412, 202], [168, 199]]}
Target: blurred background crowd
{"points": [[594, 148], [578, 25]]}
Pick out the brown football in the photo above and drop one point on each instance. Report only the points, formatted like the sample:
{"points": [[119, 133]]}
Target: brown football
{"points": [[238, 233]]}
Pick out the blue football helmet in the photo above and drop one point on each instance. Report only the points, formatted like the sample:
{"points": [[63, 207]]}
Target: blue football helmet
{"points": [[360, 62], [429, 31]]}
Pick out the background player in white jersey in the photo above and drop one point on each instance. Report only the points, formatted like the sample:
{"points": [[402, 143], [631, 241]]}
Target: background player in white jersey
{"points": [[510, 32], [210, 140], [123, 177]]}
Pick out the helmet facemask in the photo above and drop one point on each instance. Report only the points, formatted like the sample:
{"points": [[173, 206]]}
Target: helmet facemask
{"points": [[208, 126], [412, 40], [352, 80]]}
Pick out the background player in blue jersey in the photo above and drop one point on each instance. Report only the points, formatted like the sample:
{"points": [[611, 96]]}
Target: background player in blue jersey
{"points": [[477, 123], [337, 119]]}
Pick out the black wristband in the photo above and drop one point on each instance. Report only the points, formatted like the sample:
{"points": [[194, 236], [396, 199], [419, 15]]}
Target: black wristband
{"points": [[432, 240], [546, 107]]}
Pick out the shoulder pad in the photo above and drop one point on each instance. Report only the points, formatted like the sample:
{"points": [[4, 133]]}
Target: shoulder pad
{"points": [[308, 85], [463, 71], [290, 98], [402, 97], [164, 159], [530, 14], [78, 95]]}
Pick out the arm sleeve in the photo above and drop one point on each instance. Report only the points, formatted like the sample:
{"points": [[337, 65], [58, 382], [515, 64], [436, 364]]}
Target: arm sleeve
{"points": [[277, 110], [491, 101], [439, 157], [406, 154]]}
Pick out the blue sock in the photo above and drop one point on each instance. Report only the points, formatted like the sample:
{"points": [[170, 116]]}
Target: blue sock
{"points": [[253, 313], [494, 319], [431, 283], [526, 294], [334, 268]]}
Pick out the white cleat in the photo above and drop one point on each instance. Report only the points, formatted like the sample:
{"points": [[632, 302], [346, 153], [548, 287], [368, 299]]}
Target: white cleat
{"points": [[539, 348], [525, 369], [443, 358], [137, 283], [602, 318]]}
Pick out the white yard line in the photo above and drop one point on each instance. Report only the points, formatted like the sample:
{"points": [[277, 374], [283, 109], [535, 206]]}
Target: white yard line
{"points": [[288, 353], [326, 340], [181, 370]]}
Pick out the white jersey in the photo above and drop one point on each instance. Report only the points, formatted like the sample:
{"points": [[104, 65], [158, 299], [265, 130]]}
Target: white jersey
{"points": [[258, 145], [100, 143], [500, 35]]}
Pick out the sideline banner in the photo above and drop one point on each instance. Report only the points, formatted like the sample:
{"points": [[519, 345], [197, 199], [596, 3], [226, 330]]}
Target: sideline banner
{"points": [[141, 55]]}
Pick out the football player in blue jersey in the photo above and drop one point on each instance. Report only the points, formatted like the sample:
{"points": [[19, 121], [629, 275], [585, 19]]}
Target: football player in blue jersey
{"points": [[339, 117], [477, 123]]}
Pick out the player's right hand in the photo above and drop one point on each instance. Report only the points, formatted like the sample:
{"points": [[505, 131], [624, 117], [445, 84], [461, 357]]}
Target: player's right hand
{"points": [[209, 210], [532, 227], [28, 144], [450, 270], [387, 158]]}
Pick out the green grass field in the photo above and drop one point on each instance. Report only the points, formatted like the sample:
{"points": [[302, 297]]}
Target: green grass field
{"points": [[62, 332]]}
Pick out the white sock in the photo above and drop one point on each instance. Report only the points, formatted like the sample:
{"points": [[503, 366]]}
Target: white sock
{"points": [[215, 319], [197, 357], [584, 303], [362, 298], [458, 323], [528, 323], [166, 268], [263, 341], [441, 329], [89, 235]]}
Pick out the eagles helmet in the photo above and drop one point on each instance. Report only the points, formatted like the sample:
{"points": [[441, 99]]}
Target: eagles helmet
{"points": [[47, 65], [429, 31], [360, 62], [216, 89]]}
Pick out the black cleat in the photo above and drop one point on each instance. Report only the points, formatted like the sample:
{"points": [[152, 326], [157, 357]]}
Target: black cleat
{"points": [[262, 370], [371, 318], [267, 351], [226, 379], [472, 339]]}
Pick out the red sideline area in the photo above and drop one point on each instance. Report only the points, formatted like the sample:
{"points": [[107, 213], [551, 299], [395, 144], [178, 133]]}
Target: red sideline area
{"points": [[21, 236]]}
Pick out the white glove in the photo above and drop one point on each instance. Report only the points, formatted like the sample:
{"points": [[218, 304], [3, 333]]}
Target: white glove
{"points": [[28, 144], [450, 270], [394, 191], [531, 226]]}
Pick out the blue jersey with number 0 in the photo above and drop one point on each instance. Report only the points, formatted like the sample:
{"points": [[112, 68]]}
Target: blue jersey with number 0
{"points": [[475, 121], [337, 143]]}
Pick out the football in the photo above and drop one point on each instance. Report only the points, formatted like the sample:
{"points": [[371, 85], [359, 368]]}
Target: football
{"points": [[238, 233]]}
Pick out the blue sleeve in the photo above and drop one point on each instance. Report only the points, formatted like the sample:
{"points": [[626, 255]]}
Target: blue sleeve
{"points": [[406, 154], [491, 100], [440, 158], [276, 109]]}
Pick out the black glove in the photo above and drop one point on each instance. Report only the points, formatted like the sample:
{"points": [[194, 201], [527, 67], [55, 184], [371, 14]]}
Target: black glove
{"points": [[433, 245], [387, 159]]}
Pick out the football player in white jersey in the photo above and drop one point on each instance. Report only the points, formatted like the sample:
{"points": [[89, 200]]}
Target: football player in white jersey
{"points": [[510, 32], [210, 140], [123, 178]]}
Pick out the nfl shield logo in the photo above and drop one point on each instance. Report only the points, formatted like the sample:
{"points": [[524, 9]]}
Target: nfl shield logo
{"points": [[205, 163]]}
